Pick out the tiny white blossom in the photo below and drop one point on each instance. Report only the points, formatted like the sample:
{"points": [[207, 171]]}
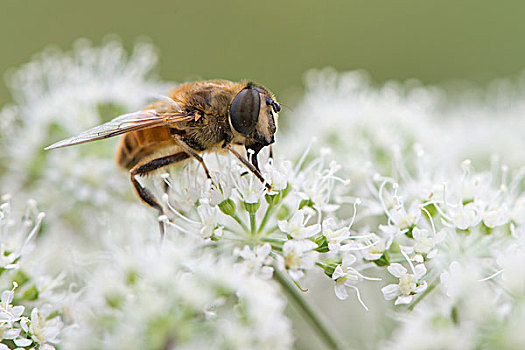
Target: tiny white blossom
{"points": [[377, 245], [296, 226], [402, 218], [425, 242], [257, 260], [249, 188], [42, 329], [298, 256], [334, 236], [219, 190], [345, 276], [409, 284], [208, 217], [9, 314], [277, 178], [496, 216], [465, 216]]}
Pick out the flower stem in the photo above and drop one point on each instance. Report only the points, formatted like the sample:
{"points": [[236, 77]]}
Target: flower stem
{"points": [[265, 218], [309, 314], [239, 221], [253, 228]]}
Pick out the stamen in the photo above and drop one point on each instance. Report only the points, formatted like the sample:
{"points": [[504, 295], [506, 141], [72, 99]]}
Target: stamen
{"points": [[430, 219], [176, 212], [359, 297], [491, 276], [356, 203], [408, 260]]}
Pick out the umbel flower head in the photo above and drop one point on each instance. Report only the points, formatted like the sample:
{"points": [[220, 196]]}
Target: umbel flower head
{"points": [[147, 296], [291, 227], [56, 95], [445, 233], [26, 316]]}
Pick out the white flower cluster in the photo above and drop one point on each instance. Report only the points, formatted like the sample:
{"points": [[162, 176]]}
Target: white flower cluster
{"points": [[448, 236], [447, 240], [39, 328], [292, 227], [148, 296], [57, 95]]}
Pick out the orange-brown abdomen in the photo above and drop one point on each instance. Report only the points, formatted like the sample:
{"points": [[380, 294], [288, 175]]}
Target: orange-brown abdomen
{"points": [[138, 146]]}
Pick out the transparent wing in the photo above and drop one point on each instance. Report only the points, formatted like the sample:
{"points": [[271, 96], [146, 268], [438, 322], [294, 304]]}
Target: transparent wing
{"points": [[123, 124]]}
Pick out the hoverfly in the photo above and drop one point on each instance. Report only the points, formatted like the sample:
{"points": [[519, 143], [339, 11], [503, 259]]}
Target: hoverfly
{"points": [[196, 117]]}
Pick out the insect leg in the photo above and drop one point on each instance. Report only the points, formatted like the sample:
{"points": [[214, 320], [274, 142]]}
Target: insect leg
{"points": [[250, 166], [144, 168], [190, 151]]}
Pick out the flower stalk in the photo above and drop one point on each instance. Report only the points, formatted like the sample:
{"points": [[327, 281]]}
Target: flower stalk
{"points": [[308, 313]]}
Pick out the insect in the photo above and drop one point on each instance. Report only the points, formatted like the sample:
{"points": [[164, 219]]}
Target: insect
{"points": [[196, 117]]}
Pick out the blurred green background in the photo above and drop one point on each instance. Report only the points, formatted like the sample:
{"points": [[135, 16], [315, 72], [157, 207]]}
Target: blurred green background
{"points": [[275, 41]]}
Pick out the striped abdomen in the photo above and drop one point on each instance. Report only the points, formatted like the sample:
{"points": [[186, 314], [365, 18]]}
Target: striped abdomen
{"points": [[139, 145]]}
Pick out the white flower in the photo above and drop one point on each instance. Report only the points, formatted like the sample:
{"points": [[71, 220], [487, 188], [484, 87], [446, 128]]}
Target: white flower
{"points": [[425, 242], [497, 216], [277, 178], [42, 329], [296, 226], [298, 256], [218, 190], [249, 188], [334, 236], [257, 260], [409, 284], [208, 217], [402, 218], [218, 300], [345, 276], [465, 216], [12, 244], [315, 183], [9, 314]]}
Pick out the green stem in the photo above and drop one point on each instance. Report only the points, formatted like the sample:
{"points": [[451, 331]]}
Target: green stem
{"points": [[265, 218], [273, 240], [270, 231], [253, 228], [310, 315], [424, 294], [239, 221]]}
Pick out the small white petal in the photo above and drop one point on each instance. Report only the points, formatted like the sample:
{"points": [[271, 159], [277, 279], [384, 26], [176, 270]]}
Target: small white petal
{"points": [[7, 296], [340, 291], [391, 291], [310, 231], [334, 247], [349, 259], [283, 225], [264, 250], [338, 272], [420, 270], [11, 333], [18, 310], [23, 342], [404, 299], [397, 270], [266, 272]]}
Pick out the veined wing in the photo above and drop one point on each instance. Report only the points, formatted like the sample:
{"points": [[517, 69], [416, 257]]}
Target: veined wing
{"points": [[144, 119]]}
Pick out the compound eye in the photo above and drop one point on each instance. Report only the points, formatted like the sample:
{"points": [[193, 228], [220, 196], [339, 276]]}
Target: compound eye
{"points": [[244, 111]]}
